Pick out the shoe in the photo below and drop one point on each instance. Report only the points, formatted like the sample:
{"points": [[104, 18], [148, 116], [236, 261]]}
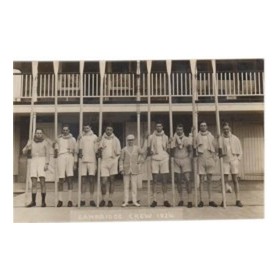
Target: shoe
{"points": [[102, 203], [181, 203], [92, 203], [166, 203], [238, 203], [200, 204], [82, 203], [154, 204], [136, 204], [110, 203], [31, 204], [43, 204], [189, 204], [222, 204], [124, 204], [213, 204], [70, 204], [60, 203]]}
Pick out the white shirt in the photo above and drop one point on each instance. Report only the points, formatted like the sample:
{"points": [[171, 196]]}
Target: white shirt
{"points": [[107, 152]]}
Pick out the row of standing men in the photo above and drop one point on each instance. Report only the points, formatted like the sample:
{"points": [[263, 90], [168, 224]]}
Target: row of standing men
{"points": [[129, 160]]}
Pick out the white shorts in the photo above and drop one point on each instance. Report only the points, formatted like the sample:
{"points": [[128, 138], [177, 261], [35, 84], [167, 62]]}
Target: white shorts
{"points": [[160, 166], [109, 167], [37, 166], [231, 167], [182, 165], [88, 168], [206, 165], [65, 164]]}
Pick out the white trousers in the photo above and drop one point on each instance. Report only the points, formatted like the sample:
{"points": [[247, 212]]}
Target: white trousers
{"points": [[126, 181]]}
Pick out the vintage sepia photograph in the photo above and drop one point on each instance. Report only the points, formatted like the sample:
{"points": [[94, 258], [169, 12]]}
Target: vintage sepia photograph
{"points": [[138, 140]]}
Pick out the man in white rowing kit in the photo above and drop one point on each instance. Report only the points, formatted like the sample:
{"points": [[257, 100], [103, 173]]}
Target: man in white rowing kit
{"points": [[158, 148], [181, 148], [65, 151], [109, 150], [87, 145], [206, 146], [38, 150]]}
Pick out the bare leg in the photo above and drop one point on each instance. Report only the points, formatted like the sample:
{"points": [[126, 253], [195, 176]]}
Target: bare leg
{"points": [[154, 186], [179, 186], [236, 185], [201, 182], [188, 185], [209, 186]]}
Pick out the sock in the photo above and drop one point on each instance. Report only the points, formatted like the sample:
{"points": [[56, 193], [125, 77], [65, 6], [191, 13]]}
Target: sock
{"points": [[92, 196], [33, 197], [60, 196], [110, 196], [43, 197], [155, 196], [164, 197], [69, 195]]}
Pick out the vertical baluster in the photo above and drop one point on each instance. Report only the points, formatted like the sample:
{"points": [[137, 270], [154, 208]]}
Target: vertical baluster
{"points": [[144, 88], [30, 85], [164, 84], [238, 83], [95, 78], [262, 74], [177, 84], [259, 82], [222, 86], [255, 83], [40, 85], [246, 83], [161, 84], [173, 82], [181, 84], [200, 86], [152, 84], [204, 84], [234, 89], [49, 85], [227, 83], [133, 87], [156, 84], [242, 84], [208, 84], [190, 84], [251, 83], [177, 90], [26, 80]]}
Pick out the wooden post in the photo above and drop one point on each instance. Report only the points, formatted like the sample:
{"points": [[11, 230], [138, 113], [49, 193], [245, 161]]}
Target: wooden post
{"points": [[80, 128], [218, 130], [195, 124], [102, 65], [149, 66], [168, 66], [32, 125], [55, 66]]}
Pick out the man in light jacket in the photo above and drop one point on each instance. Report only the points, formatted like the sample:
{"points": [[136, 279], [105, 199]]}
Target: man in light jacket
{"points": [[38, 151], [129, 168], [232, 154]]}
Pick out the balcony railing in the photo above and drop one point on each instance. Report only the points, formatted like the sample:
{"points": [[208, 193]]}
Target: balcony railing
{"points": [[230, 85]]}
